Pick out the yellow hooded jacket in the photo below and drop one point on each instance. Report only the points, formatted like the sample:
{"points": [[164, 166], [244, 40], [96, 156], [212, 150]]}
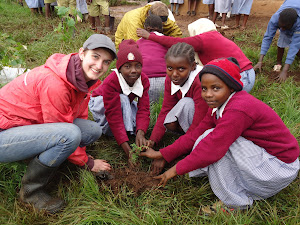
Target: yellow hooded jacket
{"points": [[135, 19]]}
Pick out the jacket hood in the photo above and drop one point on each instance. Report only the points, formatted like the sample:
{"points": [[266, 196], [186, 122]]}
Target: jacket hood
{"points": [[58, 63]]}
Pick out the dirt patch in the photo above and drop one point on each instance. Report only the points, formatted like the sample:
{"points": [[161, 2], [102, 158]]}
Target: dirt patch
{"points": [[137, 181]]}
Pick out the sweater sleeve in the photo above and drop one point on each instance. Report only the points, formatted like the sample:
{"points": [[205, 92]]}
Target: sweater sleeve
{"points": [[143, 113], [113, 112], [168, 103], [215, 145], [269, 35], [166, 41], [294, 45]]}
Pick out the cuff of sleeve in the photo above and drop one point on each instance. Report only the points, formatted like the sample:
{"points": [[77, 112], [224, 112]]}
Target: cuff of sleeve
{"points": [[89, 164], [165, 155]]}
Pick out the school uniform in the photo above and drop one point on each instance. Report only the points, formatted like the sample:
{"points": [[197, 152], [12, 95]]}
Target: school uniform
{"points": [[223, 6], [181, 103], [115, 110], [241, 7], [243, 147], [154, 65], [208, 2]]}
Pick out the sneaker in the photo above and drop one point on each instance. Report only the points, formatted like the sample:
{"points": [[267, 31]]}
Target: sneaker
{"points": [[225, 27], [193, 13], [277, 68], [188, 13]]}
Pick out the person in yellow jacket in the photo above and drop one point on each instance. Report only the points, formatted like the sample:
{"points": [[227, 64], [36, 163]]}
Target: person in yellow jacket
{"points": [[135, 19]]}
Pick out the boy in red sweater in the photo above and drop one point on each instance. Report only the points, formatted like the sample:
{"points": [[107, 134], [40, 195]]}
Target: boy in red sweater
{"points": [[242, 145], [112, 104]]}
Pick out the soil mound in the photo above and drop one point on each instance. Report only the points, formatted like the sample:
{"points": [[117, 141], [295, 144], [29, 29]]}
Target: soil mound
{"points": [[137, 181]]}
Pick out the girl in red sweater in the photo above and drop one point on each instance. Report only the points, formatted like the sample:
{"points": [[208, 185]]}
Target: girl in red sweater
{"points": [[242, 145], [182, 108], [112, 104]]}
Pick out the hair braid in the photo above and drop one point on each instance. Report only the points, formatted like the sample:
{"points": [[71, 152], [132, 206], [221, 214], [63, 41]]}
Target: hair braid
{"points": [[182, 49]]}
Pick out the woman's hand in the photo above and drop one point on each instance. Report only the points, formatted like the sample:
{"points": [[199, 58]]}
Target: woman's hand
{"points": [[140, 139], [100, 164], [166, 176], [142, 33], [152, 154]]}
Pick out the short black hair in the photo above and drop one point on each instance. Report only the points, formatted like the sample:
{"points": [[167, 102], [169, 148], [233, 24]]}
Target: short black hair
{"points": [[153, 23], [288, 17]]}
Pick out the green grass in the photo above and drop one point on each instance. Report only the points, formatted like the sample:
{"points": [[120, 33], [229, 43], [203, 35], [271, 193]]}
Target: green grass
{"points": [[180, 201]]}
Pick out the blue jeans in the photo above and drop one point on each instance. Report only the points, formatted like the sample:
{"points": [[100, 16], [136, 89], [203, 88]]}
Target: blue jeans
{"points": [[53, 142]]}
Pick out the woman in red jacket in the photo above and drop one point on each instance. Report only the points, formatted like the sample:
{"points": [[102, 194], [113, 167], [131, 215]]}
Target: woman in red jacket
{"points": [[43, 115]]}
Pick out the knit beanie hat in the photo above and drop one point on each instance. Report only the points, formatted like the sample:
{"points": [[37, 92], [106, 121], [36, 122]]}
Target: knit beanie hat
{"points": [[128, 52], [227, 69]]}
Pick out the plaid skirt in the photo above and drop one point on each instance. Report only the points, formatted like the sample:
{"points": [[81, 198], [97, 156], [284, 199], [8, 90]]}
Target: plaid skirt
{"points": [[183, 112], [129, 110], [247, 172]]}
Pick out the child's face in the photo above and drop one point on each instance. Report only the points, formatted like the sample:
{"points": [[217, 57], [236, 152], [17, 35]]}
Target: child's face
{"points": [[131, 71], [178, 69], [95, 62], [214, 91]]}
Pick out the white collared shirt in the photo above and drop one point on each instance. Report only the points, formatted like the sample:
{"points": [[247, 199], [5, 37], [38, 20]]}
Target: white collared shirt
{"points": [[136, 89], [185, 88], [219, 111]]}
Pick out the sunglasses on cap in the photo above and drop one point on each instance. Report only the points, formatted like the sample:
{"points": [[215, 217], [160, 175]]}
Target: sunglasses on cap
{"points": [[164, 18]]}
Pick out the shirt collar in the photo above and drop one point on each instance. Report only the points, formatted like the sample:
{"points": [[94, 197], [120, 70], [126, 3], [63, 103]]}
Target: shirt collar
{"points": [[185, 88], [136, 89], [219, 111]]}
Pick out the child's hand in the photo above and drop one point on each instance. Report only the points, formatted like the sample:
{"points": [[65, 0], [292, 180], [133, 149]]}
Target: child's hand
{"points": [[140, 139], [150, 143], [100, 164], [152, 154], [258, 66], [157, 166], [166, 176], [142, 33]]}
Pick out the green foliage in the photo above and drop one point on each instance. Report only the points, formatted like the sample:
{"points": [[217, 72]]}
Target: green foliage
{"points": [[135, 152], [11, 52], [67, 26]]}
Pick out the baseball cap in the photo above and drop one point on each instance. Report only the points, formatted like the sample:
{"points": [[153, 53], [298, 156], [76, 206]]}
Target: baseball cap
{"points": [[100, 41]]}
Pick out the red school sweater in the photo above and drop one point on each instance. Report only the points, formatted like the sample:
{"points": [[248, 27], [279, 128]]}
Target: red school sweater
{"points": [[209, 45], [110, 89], [245, 116], [171, 100]]}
